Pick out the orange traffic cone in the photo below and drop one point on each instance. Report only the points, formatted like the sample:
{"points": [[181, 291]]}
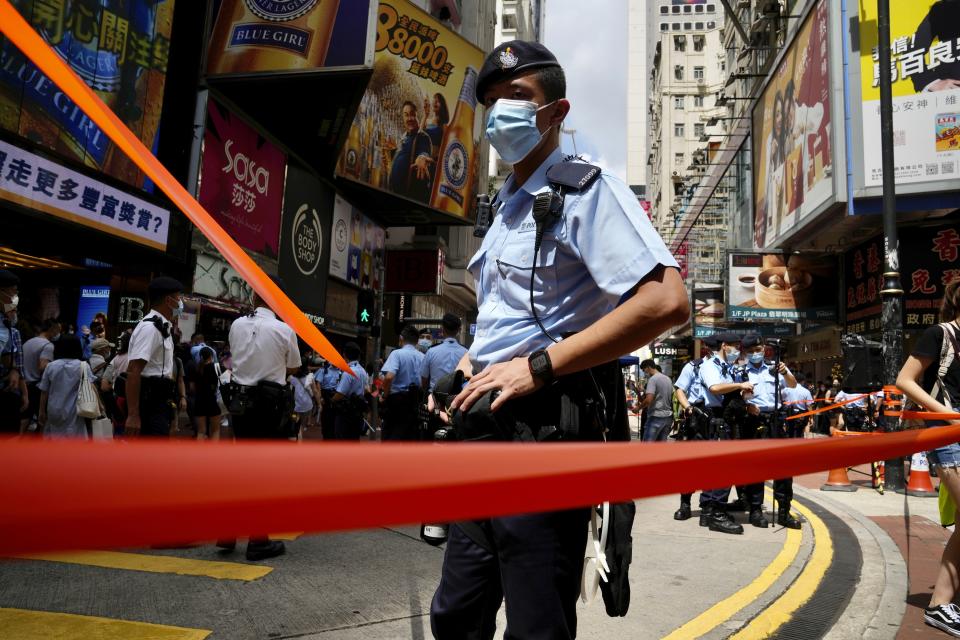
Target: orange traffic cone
{"points": [[838, 480], [919, 484]]}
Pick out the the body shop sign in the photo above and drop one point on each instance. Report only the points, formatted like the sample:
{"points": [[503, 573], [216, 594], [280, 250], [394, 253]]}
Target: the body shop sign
{"points": [[242, 179], [305, 240]]}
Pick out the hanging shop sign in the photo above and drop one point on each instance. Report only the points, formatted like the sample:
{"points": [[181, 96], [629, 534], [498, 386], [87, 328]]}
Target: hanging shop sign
{"points": [[120, 49], [215, 278], [794, 287], [37, 183], [415, 271], [356, 246]]}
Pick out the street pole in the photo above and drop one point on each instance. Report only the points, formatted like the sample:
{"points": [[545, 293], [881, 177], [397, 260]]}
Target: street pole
{"points": [[891, 293]]}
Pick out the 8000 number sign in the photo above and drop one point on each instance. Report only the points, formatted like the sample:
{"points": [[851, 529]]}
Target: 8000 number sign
{"points": [[400, 41]]}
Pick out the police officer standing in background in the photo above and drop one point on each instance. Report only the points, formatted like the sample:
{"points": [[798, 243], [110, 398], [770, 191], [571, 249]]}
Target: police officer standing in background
{"points": [[349, 397], [151, 388], [401, 385], [442, 358], [581, 242], [696, 420], [720, 388], [762, 405], [265, 353], [330, 378]]}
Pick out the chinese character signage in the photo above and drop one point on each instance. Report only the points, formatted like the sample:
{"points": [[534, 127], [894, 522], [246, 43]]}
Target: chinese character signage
{"points": [[417, 131], [252, 36], [241, 181], [792, 151], [37, 183], [119, 48], [356, 246], [785, 288], [930, 259], [925, 69], [305, 239]]}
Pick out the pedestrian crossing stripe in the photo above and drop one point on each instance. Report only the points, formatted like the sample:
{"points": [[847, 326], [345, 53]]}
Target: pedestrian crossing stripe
{"points": [[24, 624], [158, 564]]}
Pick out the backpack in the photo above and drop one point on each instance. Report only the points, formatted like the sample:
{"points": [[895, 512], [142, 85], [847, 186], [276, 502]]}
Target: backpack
{"points": [[949, 351]]}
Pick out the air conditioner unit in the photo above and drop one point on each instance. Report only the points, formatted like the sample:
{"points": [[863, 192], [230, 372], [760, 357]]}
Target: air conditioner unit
{"points": [[700, 82]]}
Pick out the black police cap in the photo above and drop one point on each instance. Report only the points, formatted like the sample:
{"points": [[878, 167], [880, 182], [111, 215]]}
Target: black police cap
{"points": [[711, 341], [8, 279], [510, 59], [751, 340], [450, 321], [164, 285], [728, 337]]}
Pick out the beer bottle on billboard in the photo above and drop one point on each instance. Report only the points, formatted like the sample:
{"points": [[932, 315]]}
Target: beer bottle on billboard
{"points": [[453, 175], [271, 35]]}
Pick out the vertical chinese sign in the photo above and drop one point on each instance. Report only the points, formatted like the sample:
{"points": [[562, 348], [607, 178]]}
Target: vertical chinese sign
{"points": [[119, 48]]}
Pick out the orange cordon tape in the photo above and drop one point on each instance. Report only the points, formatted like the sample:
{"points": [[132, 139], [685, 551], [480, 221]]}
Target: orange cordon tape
{"points": [[26, 39], [929, 415], [63, 495], [813, 412]]}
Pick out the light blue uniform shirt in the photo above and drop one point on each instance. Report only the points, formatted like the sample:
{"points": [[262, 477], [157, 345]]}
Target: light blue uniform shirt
{"points": [[690, 382], [799, 396], [331, 378], [404, 364], [861, 403], [764, 384], [602, 247], [712, 373], [441, 359], [354, 386]]}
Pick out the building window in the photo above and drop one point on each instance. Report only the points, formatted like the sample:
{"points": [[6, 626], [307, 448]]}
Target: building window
{"points": [[699, 8], [679, 43], [676, 26], [699, 42], [711, 8], [664, 10], [664, 27], [509, 22], [711, 25], [686, 8], [678, 159], [678, 102], [675, 9], [697, 101], [699, 25], [678, 72], [698, 73], [678, 130], [698, 129], [688, 26], [723, 65]]}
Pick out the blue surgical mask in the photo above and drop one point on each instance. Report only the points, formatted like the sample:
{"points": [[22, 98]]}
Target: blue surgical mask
{"points": [[423, 345], [756, 358], [178, 310], [512, 128], [732, 356]]}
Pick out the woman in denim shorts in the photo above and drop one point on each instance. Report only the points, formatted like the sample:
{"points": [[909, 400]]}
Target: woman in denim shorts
{"points": [[919, 373]]}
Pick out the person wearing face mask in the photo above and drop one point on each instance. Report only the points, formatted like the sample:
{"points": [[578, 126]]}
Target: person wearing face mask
{"points": [[401, 386], [830, 397], [570, 275], [425, 342], [151, 387], [762, 408], [37, 354], [14, 398], [719, 383]]}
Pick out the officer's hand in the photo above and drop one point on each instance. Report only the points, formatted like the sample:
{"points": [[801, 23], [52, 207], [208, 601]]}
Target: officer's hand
{"points": [[746, 386], [513, 379], [753, 409], [687, 410], [132, 426], [782, 368]]}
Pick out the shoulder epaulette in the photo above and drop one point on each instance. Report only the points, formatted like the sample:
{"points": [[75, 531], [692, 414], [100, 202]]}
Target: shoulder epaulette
{"points": [[575, 176]]}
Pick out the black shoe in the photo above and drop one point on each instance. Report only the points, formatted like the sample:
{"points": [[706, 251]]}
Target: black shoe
{"points": [[945, 617], [227, 545], [737, 506], [722, 522], [757, 519], [705, 513], [786, 519], [263, 550], [683, 513]]}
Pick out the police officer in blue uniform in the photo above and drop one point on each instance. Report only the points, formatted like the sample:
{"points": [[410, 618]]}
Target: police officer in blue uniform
{"points": [[566, 245], [765, 414], [401, 386], [691, 397], [330, 377], [443, 357], [349, 397], [721, 390]]}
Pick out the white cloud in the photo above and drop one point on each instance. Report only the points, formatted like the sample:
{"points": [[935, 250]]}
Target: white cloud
{"points": [[590, 41]]}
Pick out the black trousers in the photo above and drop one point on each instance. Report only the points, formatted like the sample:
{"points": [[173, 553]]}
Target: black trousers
{"points": [[328, 415], [348, 426], [535, 561], [258, 422], [156, 406], [402, 419]]}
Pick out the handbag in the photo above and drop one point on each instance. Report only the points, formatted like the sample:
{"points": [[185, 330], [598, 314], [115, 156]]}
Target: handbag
{"points": [[949, 350], [88, 400], [101, 428]]}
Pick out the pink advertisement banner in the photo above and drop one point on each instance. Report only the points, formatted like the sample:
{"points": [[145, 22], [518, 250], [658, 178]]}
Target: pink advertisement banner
{"points": [[241, 181]]}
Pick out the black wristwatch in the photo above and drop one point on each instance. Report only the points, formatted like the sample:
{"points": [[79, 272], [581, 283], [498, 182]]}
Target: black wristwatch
{"points": [[540, 366]]}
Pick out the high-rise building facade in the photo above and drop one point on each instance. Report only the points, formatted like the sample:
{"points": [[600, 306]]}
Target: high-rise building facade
{"points": [[641, 43]]}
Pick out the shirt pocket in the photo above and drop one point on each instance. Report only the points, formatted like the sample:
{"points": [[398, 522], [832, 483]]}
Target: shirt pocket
{"points": [[514, 267]]}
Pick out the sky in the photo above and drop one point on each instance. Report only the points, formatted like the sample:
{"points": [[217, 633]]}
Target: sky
{"points": [[592, 47]]}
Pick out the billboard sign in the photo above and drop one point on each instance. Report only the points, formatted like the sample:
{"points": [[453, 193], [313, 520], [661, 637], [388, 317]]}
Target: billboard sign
{"points": [[305, 239], [93, 300], [215, 278], [356, 246], [253, 36], [708, 309], [793, 136], [241, 181], [417, 131], [925, 68], [34, 182], [415, 271], [120, 49], [784, 288]]}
